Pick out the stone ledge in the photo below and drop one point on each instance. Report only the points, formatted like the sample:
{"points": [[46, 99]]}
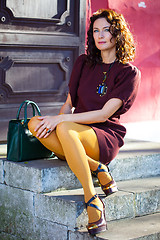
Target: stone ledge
{"points": [[40, 175], [54, 174], [16, 211], [34, 216], [1, 172], [6, 236], [18, 220], [140, 228], [129, 202], [146, 192], [141, 166]]}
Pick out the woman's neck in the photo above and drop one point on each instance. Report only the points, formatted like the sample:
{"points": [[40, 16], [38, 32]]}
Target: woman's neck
{"points": [[108, 57]]}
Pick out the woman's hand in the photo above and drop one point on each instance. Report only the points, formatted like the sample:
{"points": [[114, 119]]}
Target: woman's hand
{"points": [[47, 125]]}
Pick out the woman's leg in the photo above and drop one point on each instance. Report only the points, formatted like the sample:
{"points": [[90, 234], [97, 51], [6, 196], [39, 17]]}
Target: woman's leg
{"points": [[78, 141], [52, 143]]}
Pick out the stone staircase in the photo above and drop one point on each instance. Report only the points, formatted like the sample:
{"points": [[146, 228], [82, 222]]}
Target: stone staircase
{"points": [[43, 200]]}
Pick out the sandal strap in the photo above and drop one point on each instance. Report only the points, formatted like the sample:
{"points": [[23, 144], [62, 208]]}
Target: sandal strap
{"points": [[95, 206], [92, 198], [99, 169], [108, 184], [91, 204]]}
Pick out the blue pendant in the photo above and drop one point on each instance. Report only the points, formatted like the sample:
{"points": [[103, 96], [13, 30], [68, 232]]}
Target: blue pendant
{"points": [[102, 89]]}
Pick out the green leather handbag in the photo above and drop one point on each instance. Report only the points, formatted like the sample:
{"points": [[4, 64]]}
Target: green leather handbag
{"points": [[21, 144]]}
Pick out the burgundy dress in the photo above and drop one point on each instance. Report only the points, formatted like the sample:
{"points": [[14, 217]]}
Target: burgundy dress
{"points": [[122, 82]]}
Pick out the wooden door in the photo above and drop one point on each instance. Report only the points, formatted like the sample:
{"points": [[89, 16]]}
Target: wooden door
{"points": [[43, 39]]}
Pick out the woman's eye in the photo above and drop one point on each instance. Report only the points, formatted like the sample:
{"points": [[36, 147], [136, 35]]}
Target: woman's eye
{"points": [[95, 30], [106, 30]]}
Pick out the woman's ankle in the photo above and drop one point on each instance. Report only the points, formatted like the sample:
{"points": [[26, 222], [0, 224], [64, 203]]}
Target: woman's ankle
{"points": [[104, 177], [93, 213]]}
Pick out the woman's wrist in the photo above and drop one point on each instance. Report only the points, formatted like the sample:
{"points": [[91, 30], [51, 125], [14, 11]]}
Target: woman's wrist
{"points": [[65, 117], [61, 117]]}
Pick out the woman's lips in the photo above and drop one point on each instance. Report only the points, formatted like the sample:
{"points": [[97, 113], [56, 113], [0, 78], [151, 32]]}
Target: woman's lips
{"points": [[101, 42]]}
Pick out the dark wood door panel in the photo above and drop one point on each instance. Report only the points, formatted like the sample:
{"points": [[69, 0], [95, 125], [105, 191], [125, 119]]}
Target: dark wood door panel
{"points": [[43, 38], [40, 74], [40, 15]]}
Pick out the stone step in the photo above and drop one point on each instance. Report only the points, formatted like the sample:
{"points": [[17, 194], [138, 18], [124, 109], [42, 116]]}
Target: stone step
{"points": [[38, 175], [27, 215], [139, 228], [135, 160], [134, 198]]}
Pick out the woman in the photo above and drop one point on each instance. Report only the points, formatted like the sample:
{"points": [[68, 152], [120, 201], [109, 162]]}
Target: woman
{"points": [[103, 86]]}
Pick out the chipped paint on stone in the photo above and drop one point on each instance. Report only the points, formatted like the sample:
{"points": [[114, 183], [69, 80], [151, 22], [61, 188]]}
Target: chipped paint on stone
{"points": [[142, 4]]}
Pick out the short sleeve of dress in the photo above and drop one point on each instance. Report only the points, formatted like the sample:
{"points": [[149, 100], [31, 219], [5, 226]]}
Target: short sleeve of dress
{"points": [[75, 77], [126, 87]]}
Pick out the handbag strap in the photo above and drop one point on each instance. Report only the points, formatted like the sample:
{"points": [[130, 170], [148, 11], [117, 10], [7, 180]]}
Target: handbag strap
{"points": [[26, 103], [34, 105], [19, 110]]}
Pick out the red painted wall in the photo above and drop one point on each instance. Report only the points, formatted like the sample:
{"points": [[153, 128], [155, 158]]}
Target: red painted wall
{"points": [[143, 18]]}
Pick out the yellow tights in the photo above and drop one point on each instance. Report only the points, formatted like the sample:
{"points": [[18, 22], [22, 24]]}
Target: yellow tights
{"points": [[78, 145]]}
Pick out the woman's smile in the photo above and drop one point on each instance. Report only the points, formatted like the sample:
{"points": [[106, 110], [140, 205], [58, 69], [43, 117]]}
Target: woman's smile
{"points": [[102, 42]]}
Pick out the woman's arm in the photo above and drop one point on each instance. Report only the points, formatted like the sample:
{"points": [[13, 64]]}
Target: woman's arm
{"points": [[85, 118], [95, 116], [67, 106]]}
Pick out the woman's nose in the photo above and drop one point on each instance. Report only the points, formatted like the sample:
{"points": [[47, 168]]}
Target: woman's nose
{"points": [[101, 35]]}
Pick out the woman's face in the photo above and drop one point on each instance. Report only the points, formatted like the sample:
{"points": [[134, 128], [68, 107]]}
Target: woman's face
{"points": [[102, 36]]}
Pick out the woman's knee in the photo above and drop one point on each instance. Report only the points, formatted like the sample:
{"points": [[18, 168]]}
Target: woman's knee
{"points": [[64, 129], [61, 127], [33, 123]]}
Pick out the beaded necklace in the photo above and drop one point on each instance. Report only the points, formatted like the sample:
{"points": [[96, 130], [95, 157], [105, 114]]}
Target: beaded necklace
{"points": [[102, 88]]}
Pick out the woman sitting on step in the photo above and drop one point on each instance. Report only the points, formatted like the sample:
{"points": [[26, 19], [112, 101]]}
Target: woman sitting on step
{"points": [[103, 85]]}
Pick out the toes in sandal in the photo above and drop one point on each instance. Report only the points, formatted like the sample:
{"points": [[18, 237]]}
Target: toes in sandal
{"points": [[108, 188], [101, 224]]}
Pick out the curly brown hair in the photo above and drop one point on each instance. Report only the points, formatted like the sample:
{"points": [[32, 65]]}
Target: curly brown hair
{"points": [[125, 46]]}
